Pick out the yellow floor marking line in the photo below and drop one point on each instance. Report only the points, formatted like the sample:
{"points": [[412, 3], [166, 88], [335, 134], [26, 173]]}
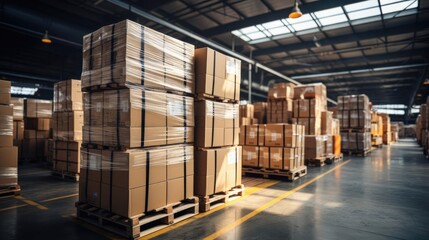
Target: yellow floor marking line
{"points": [[238, 222], [32, 203], [13, 207], [61, 197], [247, 192]]}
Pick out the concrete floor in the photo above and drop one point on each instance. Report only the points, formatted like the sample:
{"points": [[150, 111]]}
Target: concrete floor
{"points": [[382, 196]]}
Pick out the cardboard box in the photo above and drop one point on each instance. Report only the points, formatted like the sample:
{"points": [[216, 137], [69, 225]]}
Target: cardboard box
{"points": [[304, 108], [279, 111], [260, 112], [274, 135], [68, 96], [6, 126], [255, 135], [217, 74], [66, 156], [308, 91], [281, 91], [36, 108], [247, 111], [18, 108], [18, 130], [42, 124], [312, 125], [217, 170], [315, 146], [282, 158], [67, 126], [327, 123], [5, 87], [93, 108], [35, 134], [353, 102], [8, 166]]}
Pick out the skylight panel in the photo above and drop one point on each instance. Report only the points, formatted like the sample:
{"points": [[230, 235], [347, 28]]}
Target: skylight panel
{"points": [[237, 33], [23, 90], [251, 29], [329, 12], [361, 5], [371, 12], [332, 20], [304, 25], [273, 24], [397, 7], [279, 30], [384, 2], [256, 35]]}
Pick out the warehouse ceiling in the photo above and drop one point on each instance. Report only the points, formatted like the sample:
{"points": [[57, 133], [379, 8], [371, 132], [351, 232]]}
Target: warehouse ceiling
{"points": [[376, 47]]}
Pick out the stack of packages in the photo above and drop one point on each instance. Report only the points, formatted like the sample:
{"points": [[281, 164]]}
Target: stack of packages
{"points": [[279, 106], [278, 145], [394, 129], [8, 152], [422, 131], [387, 136], [247, 115], [354, 114], [409, 131], [401, 130], [18, 123], [310, 110], [376, 129], [419, 129], [260, 112], [67, 124], [217, 154], [137, 152], [37, 129]]}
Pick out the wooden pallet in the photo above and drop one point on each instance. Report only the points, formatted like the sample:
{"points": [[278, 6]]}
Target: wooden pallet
{"points": [[10, 190], [377, 145], [316, 162], [360, 153], [66, 175], [202, 96], [142, 224], [208, 203], [334, 159], [272, 173]]}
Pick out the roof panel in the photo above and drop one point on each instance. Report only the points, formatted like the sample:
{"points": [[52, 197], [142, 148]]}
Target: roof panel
{"points": [[368, 26], [201, 22], [339, 32], [251, 8], [346, 45], [223, 17], [351, 54], [374, 51]]}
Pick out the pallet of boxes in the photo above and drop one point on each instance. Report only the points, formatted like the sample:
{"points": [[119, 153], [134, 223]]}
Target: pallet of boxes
{"points": [[8, 152], [37, 129], [217, 154], [18, 123], [376, 130], [394, 129], [355, 124], [418, 130], [275, 149], [310, 110], [387, 136], [67, 121], [137, 155], [246, 115]]}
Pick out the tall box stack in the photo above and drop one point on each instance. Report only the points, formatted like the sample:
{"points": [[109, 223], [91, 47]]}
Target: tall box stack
{"points": [[280, 101], [354, 114], [246, 115], [37, 129], [387, 136], [137, 152], [8, 152], [260, 112], [310, 110], [394, 129], [418, 129], [67, 121], [423, 123], [217, 154], [376, 129], [18, 123]]}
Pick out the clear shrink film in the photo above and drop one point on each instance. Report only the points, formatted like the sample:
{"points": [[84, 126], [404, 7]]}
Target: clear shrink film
{"points": [[129, 53], [6, 125], [135, 168], [18, 108], [8, 173], [37, 108], [63, 96], [134, 117]]}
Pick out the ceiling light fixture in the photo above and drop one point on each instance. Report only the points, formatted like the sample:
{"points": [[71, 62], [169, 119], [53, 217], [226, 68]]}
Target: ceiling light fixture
{"points": [[45, 38], [296, 12]]}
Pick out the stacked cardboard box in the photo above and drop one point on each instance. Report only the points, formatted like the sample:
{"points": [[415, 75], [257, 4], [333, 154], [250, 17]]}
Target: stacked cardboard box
{"points": [[8, 152], [37, 128], [273, 146], [376, 129], [354, 114], [18, 123], [260, 112], [280, 101], [217, 154], [247, 115], [418, 129], [387, 136], [133, 117], [310, 110], [67, 127], [421, 133], [394, 129]]}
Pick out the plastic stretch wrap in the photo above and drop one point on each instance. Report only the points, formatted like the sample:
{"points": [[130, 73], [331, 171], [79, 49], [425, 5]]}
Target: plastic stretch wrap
{"points": [[354, 119], [6, 125], [8, 175], [36, 108], [127, 52], [216, 124], [18, 108], [136, 181], [353, 102], [355, 141], [279, 158], [134, 117], [68, 96], [67, 126], [66, 156]]}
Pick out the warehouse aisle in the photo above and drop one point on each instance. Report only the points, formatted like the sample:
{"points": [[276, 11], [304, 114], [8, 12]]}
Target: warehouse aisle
{"points": [[382, 196]]}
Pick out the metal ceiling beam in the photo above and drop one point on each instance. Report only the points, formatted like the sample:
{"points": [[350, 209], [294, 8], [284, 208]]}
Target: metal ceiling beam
{"points": [[360, 71], [274, 15], [344, 39], [413, 96], [202, 39], [362, 59]]}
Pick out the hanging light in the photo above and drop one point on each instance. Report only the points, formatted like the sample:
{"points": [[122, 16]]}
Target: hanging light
{"points": [[46, 39], [296, 13]]}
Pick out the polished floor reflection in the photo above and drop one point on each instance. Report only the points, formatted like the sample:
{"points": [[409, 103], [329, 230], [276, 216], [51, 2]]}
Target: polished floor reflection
{"points": [[382, 196]]}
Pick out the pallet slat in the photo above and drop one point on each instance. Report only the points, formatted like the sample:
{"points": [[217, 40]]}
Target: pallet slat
{"points": [[10, 190], [291, 175], [208, 203]]}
